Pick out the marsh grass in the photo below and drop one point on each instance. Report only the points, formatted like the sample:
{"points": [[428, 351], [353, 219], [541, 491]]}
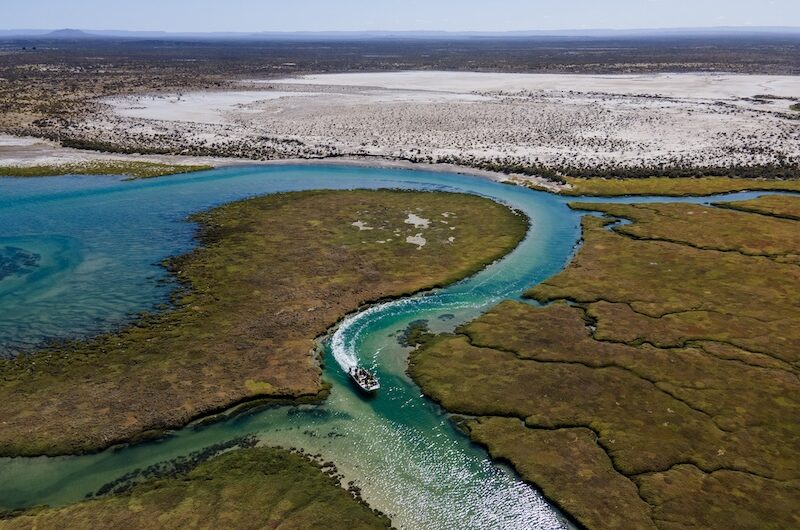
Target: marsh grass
{"points": [[787, 207], [661, 381], [133, 170], [674, 187], [247, 488], [270, 275]]}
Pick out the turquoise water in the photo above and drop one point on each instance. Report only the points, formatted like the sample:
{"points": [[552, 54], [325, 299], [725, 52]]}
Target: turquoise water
{"points": [[84, 258]]}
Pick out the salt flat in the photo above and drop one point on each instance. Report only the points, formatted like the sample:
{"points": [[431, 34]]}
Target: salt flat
{"points": [[557, 120], [198, 107], [672, 85]]}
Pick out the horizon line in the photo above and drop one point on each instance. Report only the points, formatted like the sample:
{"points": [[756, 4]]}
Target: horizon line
{"points": [[394, 31]]}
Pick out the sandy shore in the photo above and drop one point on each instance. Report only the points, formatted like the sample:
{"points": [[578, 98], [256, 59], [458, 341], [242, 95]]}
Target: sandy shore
{"points": [[26, 152]]}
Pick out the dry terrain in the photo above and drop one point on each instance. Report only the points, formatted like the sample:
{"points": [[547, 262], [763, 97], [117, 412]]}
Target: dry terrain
{"points": [[529, 107], [554, 131], [574, 124], [47, 82], [659, 388]]}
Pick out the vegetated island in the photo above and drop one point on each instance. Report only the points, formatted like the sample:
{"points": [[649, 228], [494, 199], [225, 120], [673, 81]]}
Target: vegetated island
{"points": [[247, 488], [270, 275], [132, 169], [659, 388], [776, 205], [674, 186]]}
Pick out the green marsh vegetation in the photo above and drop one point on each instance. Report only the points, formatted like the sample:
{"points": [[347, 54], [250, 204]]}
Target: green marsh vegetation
{"points": [[776, 205], [660, 383], [270, 275], [247, 488], [674, 187], [667, 180], [133, 170]]}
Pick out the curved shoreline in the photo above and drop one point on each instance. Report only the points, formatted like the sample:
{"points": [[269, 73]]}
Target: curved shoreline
{"points": [[47, 153], [610, 186], [513, 194], [251, 404], [89, 472], [446, 278], [632, 364]]}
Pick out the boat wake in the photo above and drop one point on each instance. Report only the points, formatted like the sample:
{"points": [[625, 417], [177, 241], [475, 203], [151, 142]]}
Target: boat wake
{"points": [[344, 343], [353, 329]]}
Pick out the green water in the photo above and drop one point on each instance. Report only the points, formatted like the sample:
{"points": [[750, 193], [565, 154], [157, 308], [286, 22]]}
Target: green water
{"points": [[95, 235]]}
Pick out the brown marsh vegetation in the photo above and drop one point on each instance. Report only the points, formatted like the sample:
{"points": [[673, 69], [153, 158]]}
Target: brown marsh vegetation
{"points": [[248, 488], [133, 170], [660, 382], [272, 274]]}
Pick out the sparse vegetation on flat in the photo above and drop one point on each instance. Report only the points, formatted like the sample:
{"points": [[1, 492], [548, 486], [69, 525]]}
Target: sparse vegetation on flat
{"points": [[247, 488], [661, 382], [271, 274], [53, 79], [587, 128], [510, 123]]}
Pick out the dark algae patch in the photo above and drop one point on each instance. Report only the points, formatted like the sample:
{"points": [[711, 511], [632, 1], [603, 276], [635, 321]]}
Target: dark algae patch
{"points": [[171, 468], [414, 334], [17, 261], [658, 388], [270, 275], [247, 488]]}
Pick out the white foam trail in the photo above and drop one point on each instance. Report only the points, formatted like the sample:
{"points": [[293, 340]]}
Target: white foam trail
{"points": [[344, 343], [344, 351], [345, 339]]}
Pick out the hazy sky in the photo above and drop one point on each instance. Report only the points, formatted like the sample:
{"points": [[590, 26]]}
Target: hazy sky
{"points": [[452, 15]]}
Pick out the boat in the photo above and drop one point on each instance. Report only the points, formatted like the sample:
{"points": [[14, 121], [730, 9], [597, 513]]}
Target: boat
{"points": [[364, 379]]}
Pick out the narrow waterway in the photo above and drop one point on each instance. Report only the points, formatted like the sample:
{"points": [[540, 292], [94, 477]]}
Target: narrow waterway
{"points": [[86, 252]]}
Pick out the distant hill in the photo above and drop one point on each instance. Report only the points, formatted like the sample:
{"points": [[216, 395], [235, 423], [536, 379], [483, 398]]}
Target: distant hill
{"points": [[69, 34], [792, 32]]}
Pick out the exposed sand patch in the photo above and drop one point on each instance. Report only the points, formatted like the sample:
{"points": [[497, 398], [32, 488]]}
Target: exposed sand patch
{"points": [[26, 152], [417, 240], [417, 221], [361, 225], [195, 107]]}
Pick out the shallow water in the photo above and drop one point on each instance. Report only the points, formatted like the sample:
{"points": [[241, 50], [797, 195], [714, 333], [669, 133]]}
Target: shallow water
{"points": [[99, 242]]}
